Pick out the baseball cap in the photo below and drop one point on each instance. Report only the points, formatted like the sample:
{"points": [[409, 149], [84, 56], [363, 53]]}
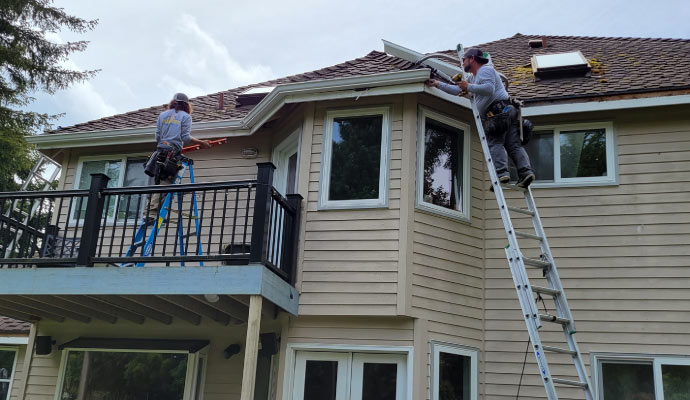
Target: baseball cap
{"points": [[477, 54], [181, 97]]}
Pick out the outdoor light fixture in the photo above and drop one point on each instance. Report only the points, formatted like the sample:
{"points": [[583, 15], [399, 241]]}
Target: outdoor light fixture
{"points": [[231, 351], [212, 298], [250, 152]]}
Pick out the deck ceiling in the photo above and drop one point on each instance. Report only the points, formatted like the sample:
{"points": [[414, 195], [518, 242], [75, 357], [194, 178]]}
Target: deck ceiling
{"points": [[138, 309]]}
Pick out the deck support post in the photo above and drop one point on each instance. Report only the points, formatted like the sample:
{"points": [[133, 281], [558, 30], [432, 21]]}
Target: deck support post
{"points": [[251, 348]]}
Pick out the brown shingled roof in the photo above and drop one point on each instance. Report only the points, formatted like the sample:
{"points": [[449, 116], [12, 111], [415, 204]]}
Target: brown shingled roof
{"points": [[619, 66], [13, 326]]}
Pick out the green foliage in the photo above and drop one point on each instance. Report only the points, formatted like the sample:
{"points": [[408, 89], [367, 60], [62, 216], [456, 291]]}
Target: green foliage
{"points": [[442, 151], [29, 62], [583, 154]]}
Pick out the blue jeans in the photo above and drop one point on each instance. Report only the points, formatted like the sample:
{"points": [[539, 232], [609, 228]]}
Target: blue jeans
{"points": [[507, 143]]}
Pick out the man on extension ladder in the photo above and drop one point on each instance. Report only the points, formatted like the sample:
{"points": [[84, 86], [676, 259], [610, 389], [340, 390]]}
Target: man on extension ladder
{"points": [[499, 115]]}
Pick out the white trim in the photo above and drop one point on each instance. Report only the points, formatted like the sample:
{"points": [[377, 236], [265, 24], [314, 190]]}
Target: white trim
{"points": [[605, 105], [326, 158], [473, 353], [292, 348], [357, 372], [343, 377], [280, 158], [281, 95], [14, 368], [658, 382], [4, 340], [190, 375], [611, 177], [465, 213]]}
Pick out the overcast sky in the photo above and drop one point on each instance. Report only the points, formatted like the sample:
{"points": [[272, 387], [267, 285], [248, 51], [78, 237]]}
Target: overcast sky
{"points": [[149, 49]]}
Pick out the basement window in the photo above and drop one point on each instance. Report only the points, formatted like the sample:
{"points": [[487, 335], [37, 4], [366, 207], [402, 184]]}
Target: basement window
{"points": [[560, 65]]}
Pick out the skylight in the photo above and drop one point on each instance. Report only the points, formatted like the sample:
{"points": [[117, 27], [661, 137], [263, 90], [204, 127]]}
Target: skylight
{"points": [[559, 65], [253, 96], [258, 90]]}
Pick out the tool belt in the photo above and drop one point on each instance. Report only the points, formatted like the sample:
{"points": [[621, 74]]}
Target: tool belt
{"points": [[164, 163], [501, 114]]}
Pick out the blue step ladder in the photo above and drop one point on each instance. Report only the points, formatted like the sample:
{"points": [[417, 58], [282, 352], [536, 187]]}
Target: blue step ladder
{"points": [[147, 243]]}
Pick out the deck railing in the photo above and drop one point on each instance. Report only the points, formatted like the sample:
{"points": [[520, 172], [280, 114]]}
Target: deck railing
{"points": [[205, 224]]}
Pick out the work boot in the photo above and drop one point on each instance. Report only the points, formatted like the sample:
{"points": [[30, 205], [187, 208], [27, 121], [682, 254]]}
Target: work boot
{"points": [[526, 180]]}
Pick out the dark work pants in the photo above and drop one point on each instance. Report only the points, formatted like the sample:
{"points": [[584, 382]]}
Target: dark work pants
{"points": [[509, 142]]}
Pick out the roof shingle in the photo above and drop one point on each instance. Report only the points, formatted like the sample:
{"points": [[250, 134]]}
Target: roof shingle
{"points": [[13, 326]]}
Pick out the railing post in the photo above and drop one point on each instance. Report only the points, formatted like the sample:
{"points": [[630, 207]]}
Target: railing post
{"points": [[291, 241], [262, 210], [92, 220]]}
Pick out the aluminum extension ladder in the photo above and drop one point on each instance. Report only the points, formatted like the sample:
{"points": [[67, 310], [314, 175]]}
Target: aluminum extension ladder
{"points": [[525, 291]]}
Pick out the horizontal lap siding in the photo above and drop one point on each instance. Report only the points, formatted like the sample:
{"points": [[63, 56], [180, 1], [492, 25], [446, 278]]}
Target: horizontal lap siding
{"points": [[348, 330], [621, 252], [350, 257]]}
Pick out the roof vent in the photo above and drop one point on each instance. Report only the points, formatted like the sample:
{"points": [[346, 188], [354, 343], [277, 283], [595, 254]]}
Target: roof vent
{"points": [[537, 43], [560, 65], [253, 96]]}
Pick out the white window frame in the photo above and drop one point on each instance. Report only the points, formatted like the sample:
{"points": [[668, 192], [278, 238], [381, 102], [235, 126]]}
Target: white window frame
{"points": [[326, 159], [190, 378], [465, 214], [441, 347], [611, 177], [14, 367], [281, 157], [112, 157], [655, 360], [291, 359]]}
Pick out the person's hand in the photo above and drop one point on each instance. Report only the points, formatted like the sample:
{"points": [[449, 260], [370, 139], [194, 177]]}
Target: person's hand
{"points": [[205, 144], [432, 82], [463, 85]]}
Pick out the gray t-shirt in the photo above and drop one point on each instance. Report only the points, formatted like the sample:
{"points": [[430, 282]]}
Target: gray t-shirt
{"points": [[486, 86], [174, 127]]}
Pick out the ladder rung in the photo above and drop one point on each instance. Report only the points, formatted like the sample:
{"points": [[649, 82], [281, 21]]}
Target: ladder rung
{"points": [[554, 319], [511, 186], [568, 382], [545, 290], [536, 263], [559, 350], [521, 210], [528, 235]]}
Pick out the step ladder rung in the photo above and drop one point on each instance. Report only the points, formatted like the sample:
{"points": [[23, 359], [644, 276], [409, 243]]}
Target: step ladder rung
{"points": [[521, 210], [528, 235], [569, 382], [554, 319], [545, 290], [559, 350], [512, 186], [536, 263]]}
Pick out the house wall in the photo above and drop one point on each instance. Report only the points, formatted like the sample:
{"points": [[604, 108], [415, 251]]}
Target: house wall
{"points": [[223, 377], [348, 258], [621, 252]]}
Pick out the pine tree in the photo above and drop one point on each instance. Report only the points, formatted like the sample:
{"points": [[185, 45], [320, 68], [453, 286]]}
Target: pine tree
{"points": [[29, 62]]}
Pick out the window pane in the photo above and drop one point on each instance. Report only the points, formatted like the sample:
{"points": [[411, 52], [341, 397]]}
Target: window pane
{"points": [[96, 375], [321, 379], [583, 153], [443, 165], [454, 377], [134, 176], [6, 365], [356, 158], [379, 381], [111, 168], [540, 152], [627, 381], [676, 381]]}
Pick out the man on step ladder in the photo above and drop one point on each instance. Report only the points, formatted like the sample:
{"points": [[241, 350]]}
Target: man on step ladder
{"points": [[500, 117]]}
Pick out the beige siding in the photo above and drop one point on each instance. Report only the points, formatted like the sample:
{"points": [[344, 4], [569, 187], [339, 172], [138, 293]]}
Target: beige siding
{"points": [[223, 378], [621, 252], [350, 257]]}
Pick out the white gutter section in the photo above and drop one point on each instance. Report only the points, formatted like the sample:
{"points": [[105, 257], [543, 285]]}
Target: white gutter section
{"points": [[14, 340], [413, 56], [605, 105], [339, 88]]}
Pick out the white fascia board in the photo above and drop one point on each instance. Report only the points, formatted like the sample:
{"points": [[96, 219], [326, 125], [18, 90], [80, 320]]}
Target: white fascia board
{"points": [[350, 87], [14, 340], [207, 130], [531, 111], [459, 100], [413, 56]]}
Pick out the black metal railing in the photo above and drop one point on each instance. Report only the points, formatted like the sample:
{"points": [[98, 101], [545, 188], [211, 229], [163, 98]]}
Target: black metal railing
{"points": [[209, 223]]}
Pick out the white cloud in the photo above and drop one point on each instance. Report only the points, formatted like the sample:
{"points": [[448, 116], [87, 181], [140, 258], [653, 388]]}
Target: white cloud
{"points": [[196, 63]]}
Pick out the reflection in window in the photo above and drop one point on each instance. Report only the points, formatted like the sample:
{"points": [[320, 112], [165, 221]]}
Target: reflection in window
{"points": [[454, 377], [379, 381], [627, 381], [443, 178], [321, 379], [540, 152], [356, 158], [583, 153], [111, 168], [6, 369], [676, 381], [124, 376], [134, 176]]}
